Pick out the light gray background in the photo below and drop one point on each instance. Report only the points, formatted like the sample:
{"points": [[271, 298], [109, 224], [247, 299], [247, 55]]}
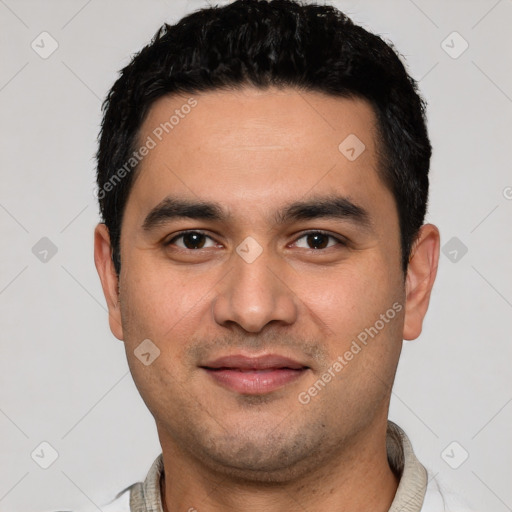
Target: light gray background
{"points": [[64, 377]]}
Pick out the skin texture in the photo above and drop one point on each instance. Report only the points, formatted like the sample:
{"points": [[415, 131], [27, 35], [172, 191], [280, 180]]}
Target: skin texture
{"points": [[254, 152]]}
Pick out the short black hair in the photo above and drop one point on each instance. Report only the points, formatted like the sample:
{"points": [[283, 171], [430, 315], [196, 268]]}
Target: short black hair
{"points": [[262, 43]]}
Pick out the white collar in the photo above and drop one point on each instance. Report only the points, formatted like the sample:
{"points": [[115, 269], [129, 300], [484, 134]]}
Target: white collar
{"points": [[145, 496]]}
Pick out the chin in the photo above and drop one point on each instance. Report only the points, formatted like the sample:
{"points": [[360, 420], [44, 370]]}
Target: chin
{"points": [[271, 455]]}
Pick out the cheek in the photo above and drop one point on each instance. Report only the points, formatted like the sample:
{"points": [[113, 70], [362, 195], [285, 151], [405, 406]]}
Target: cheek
{"points": [[361, 314], [167, 311], [348, 298], [162, 306]]}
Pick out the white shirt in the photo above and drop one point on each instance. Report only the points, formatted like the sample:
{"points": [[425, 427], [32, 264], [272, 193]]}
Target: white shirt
{"points": [[418, 490]]}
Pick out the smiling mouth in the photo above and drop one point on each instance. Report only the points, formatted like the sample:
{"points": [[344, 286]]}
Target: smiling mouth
{"points": [[256, 375], [255, 382]]}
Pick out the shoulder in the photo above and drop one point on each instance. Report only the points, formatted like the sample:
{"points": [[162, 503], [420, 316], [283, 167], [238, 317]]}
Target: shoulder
{"points": [[142, 495], [439, 498], [121, 503]]}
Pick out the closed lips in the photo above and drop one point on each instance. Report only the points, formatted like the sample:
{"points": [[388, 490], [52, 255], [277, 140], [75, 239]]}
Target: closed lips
{"points": [[254, 375], [248, 364]]}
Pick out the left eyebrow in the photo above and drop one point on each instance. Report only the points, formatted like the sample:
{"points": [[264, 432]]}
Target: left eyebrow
{"points": [[329, 207]]}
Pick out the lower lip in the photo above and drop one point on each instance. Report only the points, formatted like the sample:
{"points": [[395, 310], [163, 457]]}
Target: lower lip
{"points": [[255, 382]]}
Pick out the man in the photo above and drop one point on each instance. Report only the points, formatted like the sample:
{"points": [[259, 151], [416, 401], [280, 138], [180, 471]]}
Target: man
{"points": [[263, 180]]}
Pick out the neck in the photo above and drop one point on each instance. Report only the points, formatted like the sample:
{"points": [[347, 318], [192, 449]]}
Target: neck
{"points": [[356, 478]]}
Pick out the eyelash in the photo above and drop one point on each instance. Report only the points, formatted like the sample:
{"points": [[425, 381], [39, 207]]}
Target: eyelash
{"points": [[340, 241]]}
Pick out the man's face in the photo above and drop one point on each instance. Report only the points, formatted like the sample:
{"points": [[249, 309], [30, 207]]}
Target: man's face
{"points": [[251, 281]]}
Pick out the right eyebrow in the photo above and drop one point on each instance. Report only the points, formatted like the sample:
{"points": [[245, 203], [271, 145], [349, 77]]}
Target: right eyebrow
{"points": [[173, 208]]}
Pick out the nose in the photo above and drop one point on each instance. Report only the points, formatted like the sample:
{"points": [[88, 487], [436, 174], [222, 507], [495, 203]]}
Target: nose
{"points": [[255, 293]]}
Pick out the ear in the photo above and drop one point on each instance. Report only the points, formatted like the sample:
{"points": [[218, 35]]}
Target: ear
{"points": [[108, 278], [421, 274]]}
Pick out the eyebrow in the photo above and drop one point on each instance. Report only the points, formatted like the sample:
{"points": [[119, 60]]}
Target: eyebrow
{"points": [[330, 207]]}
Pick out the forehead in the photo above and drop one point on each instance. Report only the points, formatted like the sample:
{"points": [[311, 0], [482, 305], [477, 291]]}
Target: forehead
{"points": [[255, 119], [244, 145]]}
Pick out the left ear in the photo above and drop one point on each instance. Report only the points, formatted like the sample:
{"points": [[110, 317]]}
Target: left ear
{"points": [[421, 274]]}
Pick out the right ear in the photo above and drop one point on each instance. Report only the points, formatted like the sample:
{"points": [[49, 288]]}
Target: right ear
{"points": [[108, 278]]}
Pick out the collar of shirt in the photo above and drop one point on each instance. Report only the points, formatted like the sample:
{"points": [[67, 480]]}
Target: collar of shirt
{"points": [[145, 496]]}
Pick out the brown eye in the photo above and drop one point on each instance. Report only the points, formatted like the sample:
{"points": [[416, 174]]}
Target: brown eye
{"points": [[317, 240], [192, 240]]}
